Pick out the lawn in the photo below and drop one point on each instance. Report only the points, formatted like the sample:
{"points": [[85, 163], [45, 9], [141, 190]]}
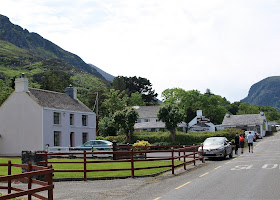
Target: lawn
{"points": [[79, 166]]}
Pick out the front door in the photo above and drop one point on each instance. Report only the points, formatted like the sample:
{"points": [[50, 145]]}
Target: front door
{"points": [[71, 139]]}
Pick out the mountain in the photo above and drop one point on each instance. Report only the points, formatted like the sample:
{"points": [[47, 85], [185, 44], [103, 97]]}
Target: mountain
{"points": [[107, 76], [39, 47], [265, 92]]}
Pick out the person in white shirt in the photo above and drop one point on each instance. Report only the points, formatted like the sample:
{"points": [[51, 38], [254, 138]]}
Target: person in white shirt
{"points": [[250, 139]]}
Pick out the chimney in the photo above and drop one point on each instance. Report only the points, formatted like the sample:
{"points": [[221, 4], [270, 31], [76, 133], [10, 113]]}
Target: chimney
{"points": [[71, 91], [21, 84], [228, 115], [199, 113]]}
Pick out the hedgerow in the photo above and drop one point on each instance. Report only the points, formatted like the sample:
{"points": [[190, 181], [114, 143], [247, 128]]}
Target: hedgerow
{"points": [[164, 138]]}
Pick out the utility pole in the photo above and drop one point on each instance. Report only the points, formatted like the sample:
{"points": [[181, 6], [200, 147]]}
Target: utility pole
{"points": [[97, 117]]}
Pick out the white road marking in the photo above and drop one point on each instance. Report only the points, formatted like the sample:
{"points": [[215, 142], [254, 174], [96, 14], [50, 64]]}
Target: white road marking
{"points": [[183, 185], [204, 174]]}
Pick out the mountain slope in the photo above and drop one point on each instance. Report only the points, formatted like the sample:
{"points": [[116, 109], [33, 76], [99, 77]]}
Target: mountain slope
{"points": [[40, 47], [266, 92], [107, 76]]}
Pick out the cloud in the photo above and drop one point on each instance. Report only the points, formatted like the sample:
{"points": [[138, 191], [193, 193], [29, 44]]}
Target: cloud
{"points": [[223, 45]]}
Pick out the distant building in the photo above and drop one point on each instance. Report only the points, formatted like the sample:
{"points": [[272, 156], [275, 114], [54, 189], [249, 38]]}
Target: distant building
{"points": [[248, 122], [201, 123], [32, 118], [148, 120]]}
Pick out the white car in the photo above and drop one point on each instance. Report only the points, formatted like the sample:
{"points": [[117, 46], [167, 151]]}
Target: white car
{"points": [[218, 147]]}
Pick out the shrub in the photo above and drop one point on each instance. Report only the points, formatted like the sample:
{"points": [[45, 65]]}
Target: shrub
{"points": [[141, 145]]}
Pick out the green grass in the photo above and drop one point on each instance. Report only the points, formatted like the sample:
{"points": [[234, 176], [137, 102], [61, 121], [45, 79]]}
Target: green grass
{"points": [[15, 170], [79, 166]]}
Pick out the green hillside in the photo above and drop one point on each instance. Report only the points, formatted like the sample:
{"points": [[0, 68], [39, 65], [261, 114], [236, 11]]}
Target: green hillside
{"points": [[266, 92], [37, 46], [14, 61]]}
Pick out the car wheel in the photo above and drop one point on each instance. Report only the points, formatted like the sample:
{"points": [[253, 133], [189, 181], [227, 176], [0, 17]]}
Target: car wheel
{"points": [[230, 155]]}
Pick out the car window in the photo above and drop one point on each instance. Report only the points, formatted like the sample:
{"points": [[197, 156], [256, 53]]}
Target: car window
{"points": [[89, 143], [99, 142], [214, 141]]}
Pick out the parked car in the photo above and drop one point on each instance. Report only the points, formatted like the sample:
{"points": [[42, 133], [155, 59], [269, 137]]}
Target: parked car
{"points": [[218, 147], [99, 145]]}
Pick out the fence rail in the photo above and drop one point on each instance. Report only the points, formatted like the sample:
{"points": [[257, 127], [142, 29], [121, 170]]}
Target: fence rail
{"points": [[187, 154], [32, 170]]}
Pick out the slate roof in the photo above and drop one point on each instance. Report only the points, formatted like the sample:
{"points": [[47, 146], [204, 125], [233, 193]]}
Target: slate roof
{"points": [[159, 124], [147, 111], [244, 120], [146, 125], [56, 100]]}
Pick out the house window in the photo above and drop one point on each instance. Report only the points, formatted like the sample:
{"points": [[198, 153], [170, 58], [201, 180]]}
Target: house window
{"points": [[71, 119], [146, 120], [57, 138], [138, 121], [85, 137], [56, 118], [84, 120]]}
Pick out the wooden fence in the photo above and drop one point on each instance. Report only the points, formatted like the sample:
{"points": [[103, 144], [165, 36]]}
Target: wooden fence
{"points": [[187, 154], [32, 170]]}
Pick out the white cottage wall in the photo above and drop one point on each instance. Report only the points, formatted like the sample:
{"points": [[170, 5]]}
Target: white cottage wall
{"points": [[65, 128], [20, 125]]}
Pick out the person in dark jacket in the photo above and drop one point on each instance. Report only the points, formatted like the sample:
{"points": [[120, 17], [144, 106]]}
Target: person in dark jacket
{"points": [[236, 142]]}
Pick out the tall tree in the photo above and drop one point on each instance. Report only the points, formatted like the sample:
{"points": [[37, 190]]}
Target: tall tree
{"points": [[172, 116], [126, 119], [119, 83], [136, 84], [115, 101], [136, 100]]}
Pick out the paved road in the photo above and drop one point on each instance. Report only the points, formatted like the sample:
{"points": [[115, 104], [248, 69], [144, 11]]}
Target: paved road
{"points": [[249, 176]]}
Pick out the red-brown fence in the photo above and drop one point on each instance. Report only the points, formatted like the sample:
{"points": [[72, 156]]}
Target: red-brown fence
{"points": [[188, 154], [32, 170]]}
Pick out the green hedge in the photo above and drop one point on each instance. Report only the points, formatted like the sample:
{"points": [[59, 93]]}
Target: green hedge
{"points": [[164, 138]]}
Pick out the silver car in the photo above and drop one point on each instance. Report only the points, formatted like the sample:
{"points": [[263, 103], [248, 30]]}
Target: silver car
{"points": [[217, 147]]}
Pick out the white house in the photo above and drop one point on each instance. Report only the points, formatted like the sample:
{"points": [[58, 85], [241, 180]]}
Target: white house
{"points": [[32, 118], [148, 120], [248, 122], [201, 123]]}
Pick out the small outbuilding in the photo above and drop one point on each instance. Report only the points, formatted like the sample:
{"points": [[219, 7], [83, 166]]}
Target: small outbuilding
{"points": [[201, 123], [248, 122]]}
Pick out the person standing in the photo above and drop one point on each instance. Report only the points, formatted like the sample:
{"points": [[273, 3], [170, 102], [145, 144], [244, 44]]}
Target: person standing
{"points": [[250, 139], [236, 142], [241, 143]]}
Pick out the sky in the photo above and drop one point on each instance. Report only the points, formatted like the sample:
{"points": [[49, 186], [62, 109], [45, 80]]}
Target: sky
{"points": [[224, 45]]}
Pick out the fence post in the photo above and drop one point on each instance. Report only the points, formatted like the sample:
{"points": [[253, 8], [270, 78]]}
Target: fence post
{"points": [[179, 153], [172, 154], [194, 155], [85, 166], [184, 157], [29, 169], [50, 182], [132, 162], [46, 159], [145, 152], [114, 150], [9, 173]]}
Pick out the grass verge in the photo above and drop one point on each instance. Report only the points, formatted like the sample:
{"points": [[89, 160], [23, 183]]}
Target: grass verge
{"points": [[79, 166]]}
